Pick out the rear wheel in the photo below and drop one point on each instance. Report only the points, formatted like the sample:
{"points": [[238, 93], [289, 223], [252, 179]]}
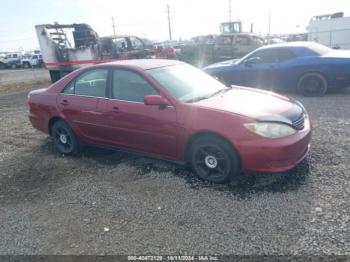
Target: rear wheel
{"points": [[213, 159], [64, 138], [312, 84], [55, 75]]}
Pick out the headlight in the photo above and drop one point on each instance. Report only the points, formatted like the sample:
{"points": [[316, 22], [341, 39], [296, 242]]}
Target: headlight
{"points": [[270, 130]]}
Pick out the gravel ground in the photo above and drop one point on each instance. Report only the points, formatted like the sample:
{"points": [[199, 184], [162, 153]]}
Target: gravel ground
{"points": [[8, 76], [16, 80], [105, 202]]}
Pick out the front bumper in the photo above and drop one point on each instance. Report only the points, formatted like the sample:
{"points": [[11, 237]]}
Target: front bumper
{"points": [[263, 155]]}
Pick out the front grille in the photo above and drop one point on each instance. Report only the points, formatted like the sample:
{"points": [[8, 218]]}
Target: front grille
{"points": [[299, 123]]}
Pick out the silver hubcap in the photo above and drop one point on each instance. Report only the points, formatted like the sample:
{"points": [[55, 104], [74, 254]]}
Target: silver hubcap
{"points": [[211, 161], [63, 139]]}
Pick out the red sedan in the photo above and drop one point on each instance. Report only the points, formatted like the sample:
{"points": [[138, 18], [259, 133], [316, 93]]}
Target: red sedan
{"points": [[172, 110]]}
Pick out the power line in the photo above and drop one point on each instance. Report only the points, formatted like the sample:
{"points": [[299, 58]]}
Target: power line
{"points": [[269, 34], [168, 10], [113, 25], [229, 10]]}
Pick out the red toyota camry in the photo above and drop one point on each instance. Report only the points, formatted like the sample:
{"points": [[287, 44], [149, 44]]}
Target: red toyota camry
{"points": [[172, 110]]}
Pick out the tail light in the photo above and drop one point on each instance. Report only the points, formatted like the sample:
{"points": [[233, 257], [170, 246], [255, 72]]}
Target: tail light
{"points": [[29, 99]]}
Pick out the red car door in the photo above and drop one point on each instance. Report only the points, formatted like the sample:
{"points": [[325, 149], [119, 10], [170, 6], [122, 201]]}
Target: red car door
{"points": [[79, 104], [131, 123]]}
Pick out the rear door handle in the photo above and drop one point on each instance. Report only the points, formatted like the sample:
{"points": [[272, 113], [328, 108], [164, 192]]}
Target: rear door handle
{"points": [[65, 103]]}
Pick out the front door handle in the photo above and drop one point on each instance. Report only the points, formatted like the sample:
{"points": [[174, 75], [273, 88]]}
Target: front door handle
{"points": [[115, 109]]}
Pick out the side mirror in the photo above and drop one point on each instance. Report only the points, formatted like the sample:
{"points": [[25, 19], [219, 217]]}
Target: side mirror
{"points": [[253, 60], [155, 100]]}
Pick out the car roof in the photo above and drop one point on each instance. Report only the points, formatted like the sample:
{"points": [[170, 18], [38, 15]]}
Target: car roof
{"points": [[289, 45], [239, 34], [145, 64]]}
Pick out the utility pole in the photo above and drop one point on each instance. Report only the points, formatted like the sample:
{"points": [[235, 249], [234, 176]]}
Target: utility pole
{"points": [[113, 25], [229, 10], [168, 10], [269, 35]]}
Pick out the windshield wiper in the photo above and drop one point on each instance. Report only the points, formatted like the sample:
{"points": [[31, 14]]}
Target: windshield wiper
{"points": [[196, 99], [208, 96]]}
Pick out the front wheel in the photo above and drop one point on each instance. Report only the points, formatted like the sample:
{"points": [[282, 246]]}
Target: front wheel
{"points": [[64, 138], [55, 75], [26, 65], [213, 159], [312, 84]]}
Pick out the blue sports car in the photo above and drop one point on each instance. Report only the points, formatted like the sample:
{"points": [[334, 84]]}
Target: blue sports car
{"points": [[308, 67]]}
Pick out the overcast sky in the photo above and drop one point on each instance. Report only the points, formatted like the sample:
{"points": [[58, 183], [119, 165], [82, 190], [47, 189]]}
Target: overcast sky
{"points": [[148, 18]]}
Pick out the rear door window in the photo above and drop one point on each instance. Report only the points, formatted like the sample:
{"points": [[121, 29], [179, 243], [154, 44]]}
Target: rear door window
{"points": [[121, 44], [92, 83]]}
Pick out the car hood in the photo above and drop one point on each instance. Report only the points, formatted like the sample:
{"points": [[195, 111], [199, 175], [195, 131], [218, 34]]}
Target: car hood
{"points": [[253, 103]]}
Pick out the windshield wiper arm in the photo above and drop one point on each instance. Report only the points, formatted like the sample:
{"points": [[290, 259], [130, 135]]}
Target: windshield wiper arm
{"points": [[196, 99], [208, 96], [220, 91]]}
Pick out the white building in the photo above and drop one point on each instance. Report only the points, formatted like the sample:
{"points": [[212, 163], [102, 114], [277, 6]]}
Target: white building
{"points": [[330, 30]]}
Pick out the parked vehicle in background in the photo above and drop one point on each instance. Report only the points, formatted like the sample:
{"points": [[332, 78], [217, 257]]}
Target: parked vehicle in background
{"points": [[2, 57], [310, 68], [332, 30], [10, 60], [236, 45], [274, 40], [68, 47], [34, 60], [301, 37], [214, 48], [175, 111], [169, 49]]}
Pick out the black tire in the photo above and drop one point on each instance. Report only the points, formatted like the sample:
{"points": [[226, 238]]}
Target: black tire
{"points": [[64, 138], [312, 84], [26, 65], [214, 159], [55, 75]]}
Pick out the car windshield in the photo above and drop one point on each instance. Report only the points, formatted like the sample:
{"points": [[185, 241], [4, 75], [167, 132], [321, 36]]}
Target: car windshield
{"points": [[187, 83]]}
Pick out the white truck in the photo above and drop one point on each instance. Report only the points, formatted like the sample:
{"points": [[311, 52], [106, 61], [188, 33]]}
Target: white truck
{"points": [[66, 47], [32, 60], [332, 30], [11, 60]]}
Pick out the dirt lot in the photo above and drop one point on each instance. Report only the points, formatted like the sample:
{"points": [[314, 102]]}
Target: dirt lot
{"points": [[23, 75], [16, 80], [105, 202]]}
